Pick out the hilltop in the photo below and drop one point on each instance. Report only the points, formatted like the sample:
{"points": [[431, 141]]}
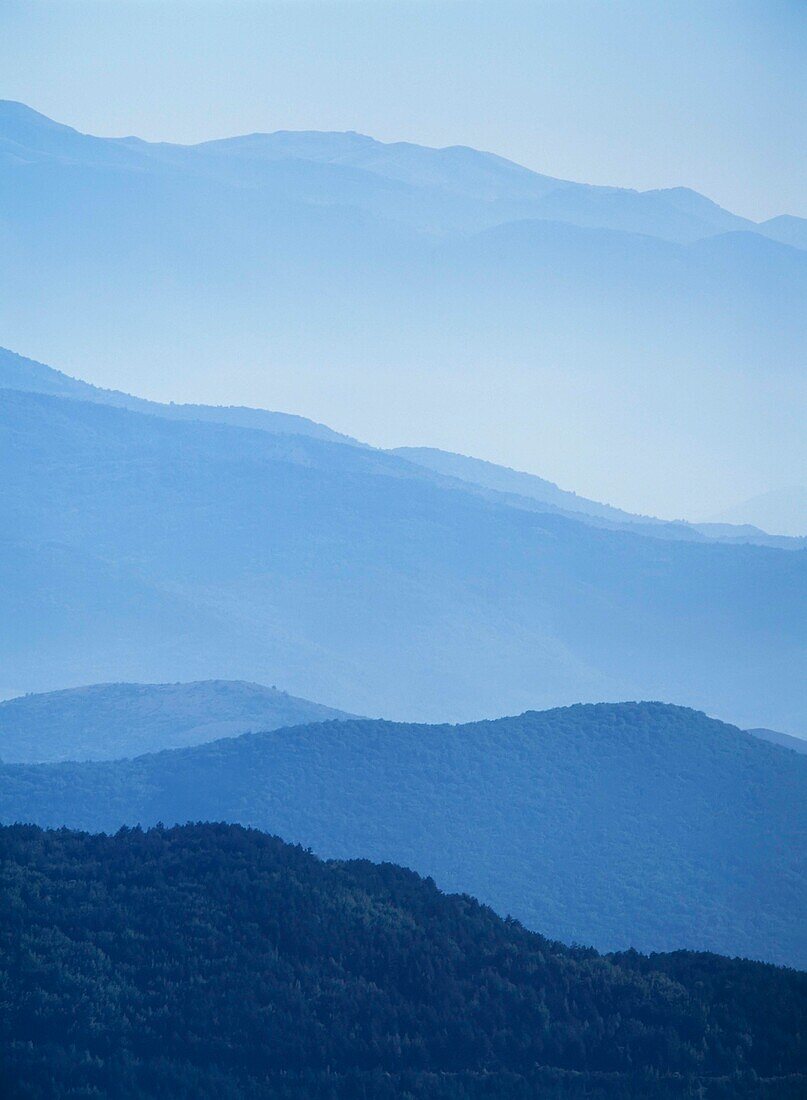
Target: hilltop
{"points": [[109, 721]]}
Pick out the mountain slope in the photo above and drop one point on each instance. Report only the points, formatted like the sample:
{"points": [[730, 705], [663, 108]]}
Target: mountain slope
{"points": [[19, 373], [621, 825], [453, 187], [121, 934], [504, 480], [350, 575], [109, 721], [786, 229]]}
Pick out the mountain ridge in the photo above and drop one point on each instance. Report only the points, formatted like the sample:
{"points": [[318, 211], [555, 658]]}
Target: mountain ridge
{"points": [[623, 825], [313, 283], [518, 483], [27, 375], [349, 574], [19, 372], [398, 160]]}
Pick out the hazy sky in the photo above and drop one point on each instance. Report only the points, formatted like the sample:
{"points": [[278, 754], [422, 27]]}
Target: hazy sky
{"points": [[638, 93]]}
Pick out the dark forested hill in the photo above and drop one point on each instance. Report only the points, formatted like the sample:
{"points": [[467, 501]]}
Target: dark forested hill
{"points": [[213, 962], [137, 548], [109, 721], [632, 825]]}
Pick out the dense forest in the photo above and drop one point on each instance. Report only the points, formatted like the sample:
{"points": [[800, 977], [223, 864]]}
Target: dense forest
{"points": [[215, 961], [617, 825]]}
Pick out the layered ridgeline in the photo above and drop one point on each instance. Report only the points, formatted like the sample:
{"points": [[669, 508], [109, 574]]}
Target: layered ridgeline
{"points": [[514, 487], [430, 189], [526, 490], [632, 825], [109, 721], [333, 270], [144, 548], [210, 961], [17, 372]]}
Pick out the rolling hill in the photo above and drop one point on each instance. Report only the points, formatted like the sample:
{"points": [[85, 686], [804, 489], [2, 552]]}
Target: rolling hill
{"points": [[629, 825], [109, 721], [210, 961]]}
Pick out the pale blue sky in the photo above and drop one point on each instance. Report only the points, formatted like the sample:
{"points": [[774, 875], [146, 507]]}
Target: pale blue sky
{"points": [[637, 93]]}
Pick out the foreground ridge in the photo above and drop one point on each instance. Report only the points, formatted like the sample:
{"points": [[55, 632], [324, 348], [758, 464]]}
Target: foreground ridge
{"points": [[212, 960]]}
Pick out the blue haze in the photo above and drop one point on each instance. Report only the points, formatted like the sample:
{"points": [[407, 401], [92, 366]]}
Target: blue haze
{"points": [[646, 349]]}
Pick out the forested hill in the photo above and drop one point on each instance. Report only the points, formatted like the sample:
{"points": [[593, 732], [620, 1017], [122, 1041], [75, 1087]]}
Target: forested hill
{"points": [[211, 961], [619, 825], [108, 721]]}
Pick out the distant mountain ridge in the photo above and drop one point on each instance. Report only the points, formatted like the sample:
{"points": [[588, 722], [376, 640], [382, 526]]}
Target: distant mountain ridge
{"points": [[325, 272], [19, 373], [26, 375], [502, 190], [634, 824], [785, 509], [110, 721], [517, 484], [797, 744]]}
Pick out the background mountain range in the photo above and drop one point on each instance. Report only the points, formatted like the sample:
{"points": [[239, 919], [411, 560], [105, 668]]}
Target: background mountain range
{"points": [[324, 272], [156, 547], [403, 578]]}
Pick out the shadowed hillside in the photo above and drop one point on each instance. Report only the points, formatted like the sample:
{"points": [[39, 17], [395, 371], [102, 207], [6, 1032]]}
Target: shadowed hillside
{"points": [[208, 961]]}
